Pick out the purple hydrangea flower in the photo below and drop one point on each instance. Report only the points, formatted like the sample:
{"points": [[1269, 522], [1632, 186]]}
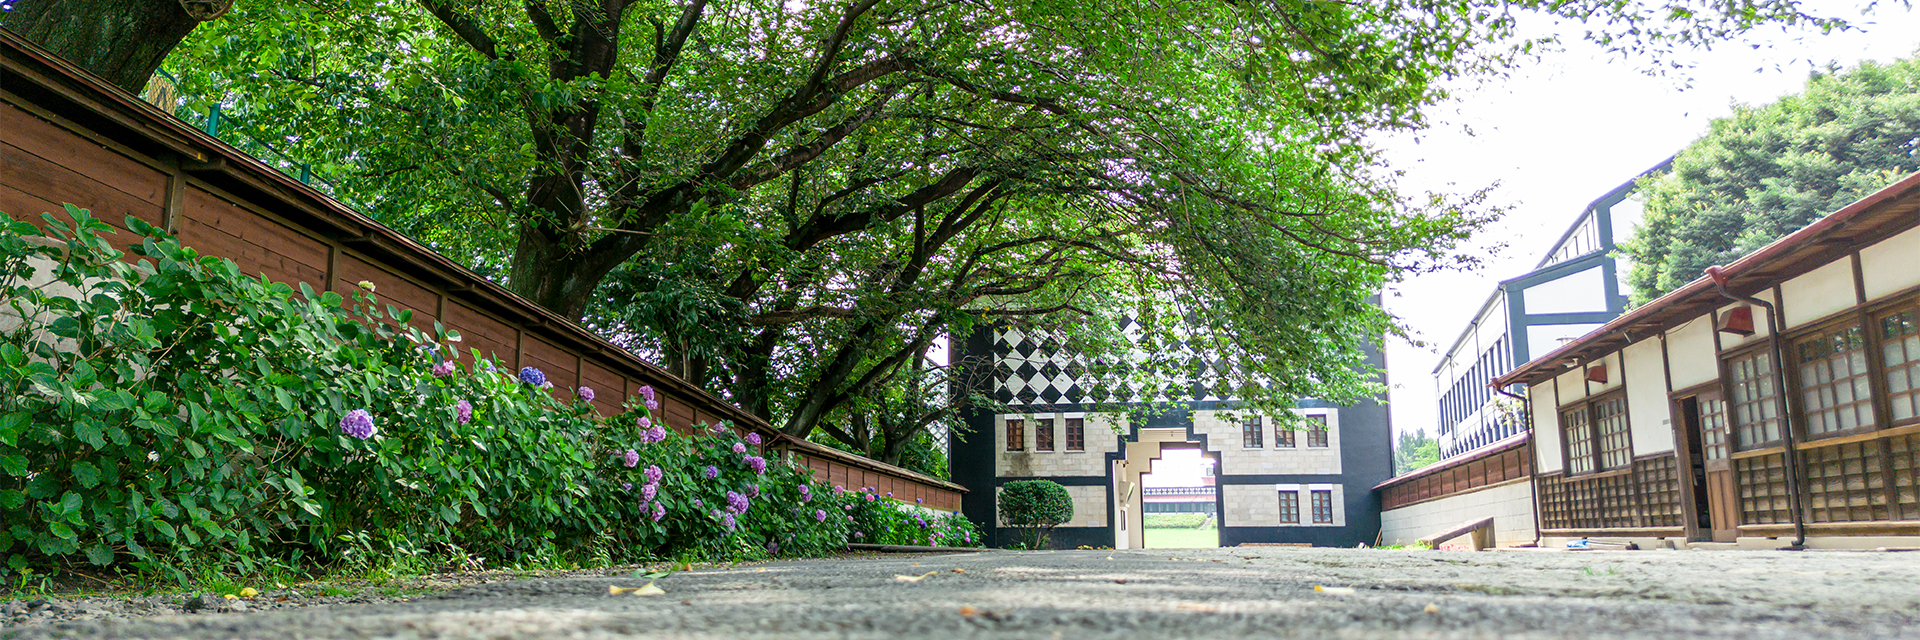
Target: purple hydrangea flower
{"points": [[730, 522], [358, 423], [857, 534], [968, 537], [739, 448], [757, 463], [699, 504], [653, 473], [586, 393], [533, 376], [737, 503], [632, 458], [837, 489], [648, 491], [754, 439], [819, 515], [463, 411], [644, 422], [627, 486], [657, 434], [443, 369], [659, 511], [712, 472], [773, 548], [721, 429], [806, 490], [889, 494], [920, 500]]}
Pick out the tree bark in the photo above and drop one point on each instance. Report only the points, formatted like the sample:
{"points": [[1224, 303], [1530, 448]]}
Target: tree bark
{"points": [[123, 41]]}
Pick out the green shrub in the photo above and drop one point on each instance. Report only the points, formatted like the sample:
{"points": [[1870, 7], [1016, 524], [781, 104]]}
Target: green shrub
{"points": [[1035, 507], [178, 415], [881, 519]]}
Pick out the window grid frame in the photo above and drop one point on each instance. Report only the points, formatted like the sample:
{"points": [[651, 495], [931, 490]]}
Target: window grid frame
{"points": [[1016, 430], [1252, 433], [1043, 434], [1751, 392], [1317, 435], [1290, 506], [1322, 506], [1818, 356], [1076, 434]]}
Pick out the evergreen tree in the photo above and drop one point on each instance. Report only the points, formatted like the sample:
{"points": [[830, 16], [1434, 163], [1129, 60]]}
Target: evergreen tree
{"points": [[1766, 171]]}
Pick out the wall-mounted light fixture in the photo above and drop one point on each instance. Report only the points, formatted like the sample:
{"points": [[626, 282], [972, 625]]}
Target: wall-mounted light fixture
{"points": [[1737, 321]]}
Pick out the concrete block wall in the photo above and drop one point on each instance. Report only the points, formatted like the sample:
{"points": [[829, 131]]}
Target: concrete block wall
{"points": [[1510, 505], [1222, 429], [1028, 463], [1258, 505]]}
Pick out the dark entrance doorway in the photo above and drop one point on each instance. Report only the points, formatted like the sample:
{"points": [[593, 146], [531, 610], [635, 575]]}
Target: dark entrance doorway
{"points": [[1715, 506]]}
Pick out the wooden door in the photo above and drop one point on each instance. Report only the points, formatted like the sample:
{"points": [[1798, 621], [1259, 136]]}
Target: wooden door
{"points": [[1723, 503]]}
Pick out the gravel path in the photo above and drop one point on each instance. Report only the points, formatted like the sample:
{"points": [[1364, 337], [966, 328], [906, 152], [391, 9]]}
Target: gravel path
{"points": [[1257, 592]]}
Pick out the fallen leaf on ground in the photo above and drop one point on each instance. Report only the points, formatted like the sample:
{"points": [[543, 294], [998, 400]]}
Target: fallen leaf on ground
{"points": [[232, 597], [648, 590], [249, 592], [282, 599], [1336, 591], [1432, 608], [1120, 580], [1198, 607], [969, 611], [913, 578], [959, 570]]}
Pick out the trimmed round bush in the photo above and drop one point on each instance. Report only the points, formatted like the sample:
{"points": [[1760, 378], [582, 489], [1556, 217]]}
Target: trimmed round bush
{"points": [[1035, 507]]}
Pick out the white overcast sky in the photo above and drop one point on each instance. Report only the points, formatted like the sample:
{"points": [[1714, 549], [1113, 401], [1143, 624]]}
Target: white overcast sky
{"points": [[1567, 128]]}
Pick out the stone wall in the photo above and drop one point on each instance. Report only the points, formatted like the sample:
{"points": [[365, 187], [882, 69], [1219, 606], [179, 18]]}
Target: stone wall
{"points": [[1258, 505], [1223, 432], [1510, 505]]}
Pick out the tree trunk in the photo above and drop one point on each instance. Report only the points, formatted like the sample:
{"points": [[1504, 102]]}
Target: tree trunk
{"points": [[557, 274], [123, 41]]}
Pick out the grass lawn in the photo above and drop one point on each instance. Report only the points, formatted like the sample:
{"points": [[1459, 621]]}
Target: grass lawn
{"points": [[1183, 538]]}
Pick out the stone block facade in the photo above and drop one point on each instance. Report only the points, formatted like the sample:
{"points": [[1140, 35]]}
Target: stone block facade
{"points": [[1030, 462], [1224, 436], [1258, 505]]}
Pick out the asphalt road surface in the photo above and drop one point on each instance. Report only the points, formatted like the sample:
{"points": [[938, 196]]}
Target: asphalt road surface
{"points": [[1151, 593]]}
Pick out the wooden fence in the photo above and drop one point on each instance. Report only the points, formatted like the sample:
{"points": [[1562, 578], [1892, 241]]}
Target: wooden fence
{"points": [[69, 137]]}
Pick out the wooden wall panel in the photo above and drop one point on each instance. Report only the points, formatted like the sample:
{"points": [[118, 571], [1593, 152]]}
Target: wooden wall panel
{"points": [[389, 289], [560, 366], [492, 338], [51, 184], [609, 389], [212, 225]]}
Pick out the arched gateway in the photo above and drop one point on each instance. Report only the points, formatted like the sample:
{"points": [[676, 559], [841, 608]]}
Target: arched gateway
{"points": [[1312, 486]]}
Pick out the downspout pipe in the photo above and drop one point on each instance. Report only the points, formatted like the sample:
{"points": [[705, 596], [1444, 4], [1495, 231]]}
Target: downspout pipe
{"points": [[1774, 322]]}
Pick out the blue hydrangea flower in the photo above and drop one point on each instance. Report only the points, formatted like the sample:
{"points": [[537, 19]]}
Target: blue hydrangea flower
{"points": [[533, 376], [712, 472], [358, 424]]}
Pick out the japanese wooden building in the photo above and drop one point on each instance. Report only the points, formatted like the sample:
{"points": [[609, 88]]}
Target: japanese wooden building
{"points": [[1773, 402]]}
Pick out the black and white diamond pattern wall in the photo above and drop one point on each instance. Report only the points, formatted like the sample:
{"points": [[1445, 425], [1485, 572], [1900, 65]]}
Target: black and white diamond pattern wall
{"points": [[1032, 366]]}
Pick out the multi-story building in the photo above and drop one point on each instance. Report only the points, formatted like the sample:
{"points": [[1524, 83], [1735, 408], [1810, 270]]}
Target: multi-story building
{"points": [[1576, 288], [1065, 423]]}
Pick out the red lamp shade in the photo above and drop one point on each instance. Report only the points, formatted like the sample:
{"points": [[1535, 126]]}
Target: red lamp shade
{"points": [[1597, 373], [1737, 321]]}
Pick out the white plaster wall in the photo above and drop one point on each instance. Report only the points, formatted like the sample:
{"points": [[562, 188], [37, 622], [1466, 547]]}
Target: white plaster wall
{"points": [[1579, 292], [1543, 339], [1892, 265], [1818, 293], [1615, 374], [1690, 354], [1258, 505], [1546, 428], [1649, 416], [1100, 440], [1223, 437], [1570, 386], [1510, 506], [1760, 331], [1089, 506]]}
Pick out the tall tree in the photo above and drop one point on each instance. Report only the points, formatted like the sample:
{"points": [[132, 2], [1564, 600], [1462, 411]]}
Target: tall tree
{"points": [[787, 202], [1769, 170], [122, 41]]}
